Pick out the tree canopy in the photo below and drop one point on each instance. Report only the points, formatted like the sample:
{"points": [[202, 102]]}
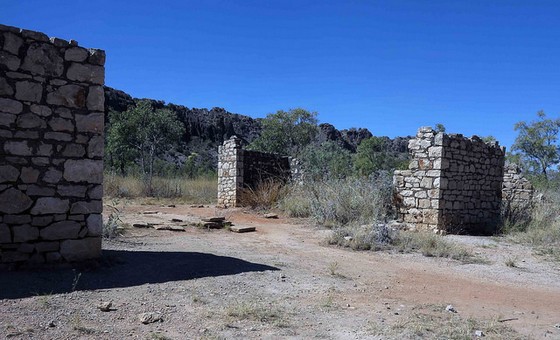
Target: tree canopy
{"points": [[141, 134], [537, 143], [287, 132]]}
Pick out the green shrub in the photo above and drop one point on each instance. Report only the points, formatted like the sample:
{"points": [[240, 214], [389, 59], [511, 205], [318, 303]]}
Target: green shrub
{"points": [[335, 202]]}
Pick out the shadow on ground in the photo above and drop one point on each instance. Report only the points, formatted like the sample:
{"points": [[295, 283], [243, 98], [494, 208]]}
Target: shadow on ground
{"points": [[121, 268]]}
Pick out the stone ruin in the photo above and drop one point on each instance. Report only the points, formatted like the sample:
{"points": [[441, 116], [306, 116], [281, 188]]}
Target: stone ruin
{"points": [[240, 169], [51, 149], [456, 184]]}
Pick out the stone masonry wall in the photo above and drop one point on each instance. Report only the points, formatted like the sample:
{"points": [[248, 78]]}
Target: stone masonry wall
{"points": [[453, 183], [239, 169], [516, 188], [51, 149]]}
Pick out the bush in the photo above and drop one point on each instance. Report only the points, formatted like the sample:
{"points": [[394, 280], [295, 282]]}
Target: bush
{"points": [[543, 230], [341, 201], [264, 196]]}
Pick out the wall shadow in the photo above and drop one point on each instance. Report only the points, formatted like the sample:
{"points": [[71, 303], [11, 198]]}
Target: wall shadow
{"points": [[123, 268]]}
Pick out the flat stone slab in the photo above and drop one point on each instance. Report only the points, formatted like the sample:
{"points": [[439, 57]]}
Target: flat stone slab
{"points": [[271, 215], [169, 227], [216, 219], [239, 229]]}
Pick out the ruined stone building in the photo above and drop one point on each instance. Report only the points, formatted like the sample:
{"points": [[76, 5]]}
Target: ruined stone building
{"points": [[239, 169], [51, 148], [456, 184]]}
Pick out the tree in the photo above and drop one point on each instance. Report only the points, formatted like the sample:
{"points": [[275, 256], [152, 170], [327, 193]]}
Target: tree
{"points": [[327, 160], [373, 154], [440, 127], [537, 142], [287, 132], [141, 134]]}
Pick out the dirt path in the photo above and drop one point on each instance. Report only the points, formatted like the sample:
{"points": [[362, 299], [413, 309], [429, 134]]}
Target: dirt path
{"points": [[278, 282]]}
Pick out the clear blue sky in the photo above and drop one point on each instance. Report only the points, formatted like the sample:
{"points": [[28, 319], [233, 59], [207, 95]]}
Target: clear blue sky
{"points": [[391, 66]]}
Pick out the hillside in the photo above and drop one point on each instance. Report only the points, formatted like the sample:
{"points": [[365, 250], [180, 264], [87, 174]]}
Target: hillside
{"points": [[206, 129]]}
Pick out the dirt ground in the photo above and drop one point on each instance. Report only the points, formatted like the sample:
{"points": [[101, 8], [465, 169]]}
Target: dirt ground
{"points": [[281, 281]]}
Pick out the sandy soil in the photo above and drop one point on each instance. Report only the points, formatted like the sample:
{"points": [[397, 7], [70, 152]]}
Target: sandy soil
{"points": [[281, 281]]}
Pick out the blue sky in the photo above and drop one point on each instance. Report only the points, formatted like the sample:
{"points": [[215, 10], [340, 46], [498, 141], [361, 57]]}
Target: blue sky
{"points": [[478, 67]]}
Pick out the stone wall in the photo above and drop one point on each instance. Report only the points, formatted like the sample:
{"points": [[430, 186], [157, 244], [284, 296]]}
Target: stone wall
{"points": [[516, 188], [51, 148], [239, 169], [453, 183]]}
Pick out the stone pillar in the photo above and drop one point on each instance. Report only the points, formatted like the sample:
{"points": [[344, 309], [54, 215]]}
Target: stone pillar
{"points": [[230, 172], [51, 148]]}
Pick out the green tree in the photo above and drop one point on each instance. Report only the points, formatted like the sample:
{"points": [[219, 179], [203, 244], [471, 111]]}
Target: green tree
{"points": [[537, 143], [440, 127], [327, 160], [287, 132], [142, 134], [372, 155]]}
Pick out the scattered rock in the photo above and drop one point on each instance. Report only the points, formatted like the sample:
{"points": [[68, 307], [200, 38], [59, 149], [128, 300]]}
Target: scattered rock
{"points": [[557, 325], [52, 324], [479, 334], [348, 238], [270, 215], [105, 306], [176, 220], [238, 229], [143, 225], [150, 317], [212, 225], [450, 309], [197, 206], [150, 212], [169, 227], [214, 219]]}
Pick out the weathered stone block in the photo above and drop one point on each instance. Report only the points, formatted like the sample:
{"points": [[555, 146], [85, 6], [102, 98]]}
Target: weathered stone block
{"points": [[30, 121], [5, 88], [9, 60], [96, 98], [8, 173], [92, 122], [93, 207], [7, 119], [12, 43], [25, 233], [79, 250], [61, 124], [5, 234], [43, 247], [10, 106], [61, 230], [13, 201], [86, 73], [41, 110], [96, 192], [73, 150], [41, 221], [29, 91], [60, 136], [95, 147], [72, 190], [52, 176], [95, 225], [43, 59], [77, 54], [50, 205], [73, 96], [84, 170], [96, 57]]}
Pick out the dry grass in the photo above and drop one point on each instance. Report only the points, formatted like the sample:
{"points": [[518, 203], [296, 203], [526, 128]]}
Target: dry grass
{"points": [[338, 202], [433, 322], [380, 237], [264, 196], [200, 190], [542, 232]]}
